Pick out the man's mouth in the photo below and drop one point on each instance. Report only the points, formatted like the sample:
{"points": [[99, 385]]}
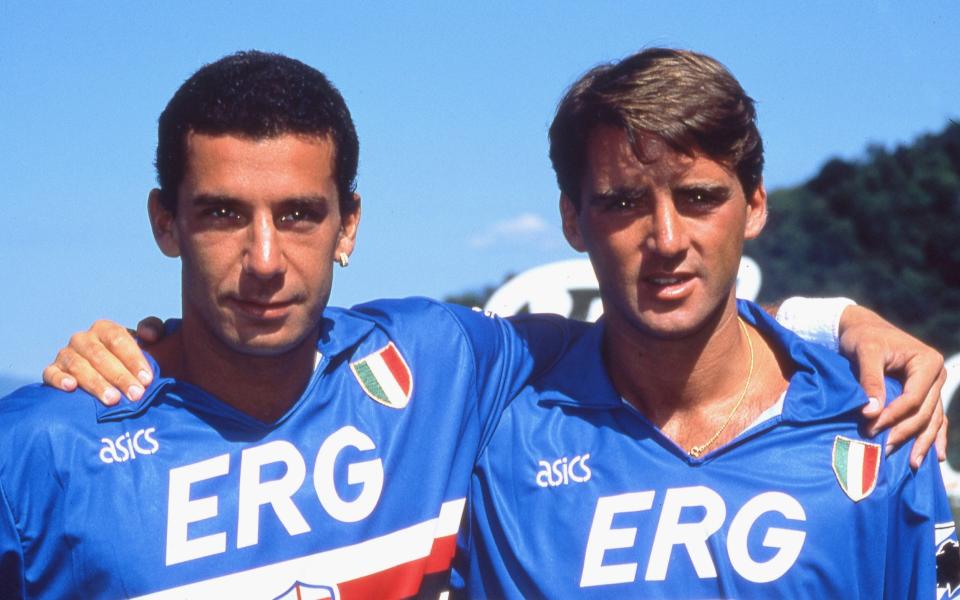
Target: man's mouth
{"points": [[669, 286], [665, 280], [260, 309]]}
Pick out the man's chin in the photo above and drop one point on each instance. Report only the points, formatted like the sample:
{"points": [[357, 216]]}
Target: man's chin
{"points": [[269, 345], [671, 326], [678, 324]]}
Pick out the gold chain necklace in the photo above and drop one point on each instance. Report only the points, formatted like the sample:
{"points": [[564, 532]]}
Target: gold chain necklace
{"points": [[697, 451]]}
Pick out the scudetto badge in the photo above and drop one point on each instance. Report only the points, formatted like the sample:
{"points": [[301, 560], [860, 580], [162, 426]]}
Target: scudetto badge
{"points": [[385, 376], [856, 465]]}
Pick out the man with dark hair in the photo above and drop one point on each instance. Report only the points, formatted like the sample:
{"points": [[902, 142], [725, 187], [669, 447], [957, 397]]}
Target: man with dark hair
{"points": [[386, 403], [278, 96], [284, 447], [687, 446]]}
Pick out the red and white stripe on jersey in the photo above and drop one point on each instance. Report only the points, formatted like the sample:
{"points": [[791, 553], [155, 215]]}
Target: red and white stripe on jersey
{"points": [[389, 566]]}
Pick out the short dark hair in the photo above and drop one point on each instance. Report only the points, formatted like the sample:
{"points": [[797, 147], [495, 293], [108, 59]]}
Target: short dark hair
{"points": [[257, 95], [688, 100]]}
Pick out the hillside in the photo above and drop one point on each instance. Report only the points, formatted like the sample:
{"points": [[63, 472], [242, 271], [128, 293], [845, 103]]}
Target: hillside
{"points": [[884, 230]]}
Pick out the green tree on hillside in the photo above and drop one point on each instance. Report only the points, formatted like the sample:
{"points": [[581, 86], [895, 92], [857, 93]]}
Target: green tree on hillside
{"points": [[884, 230]]}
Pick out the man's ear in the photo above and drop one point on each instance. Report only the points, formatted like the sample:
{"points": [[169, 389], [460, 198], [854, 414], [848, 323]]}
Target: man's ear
{"points": [[161, 221], [571, 225], [349, 222], [756, 212]]}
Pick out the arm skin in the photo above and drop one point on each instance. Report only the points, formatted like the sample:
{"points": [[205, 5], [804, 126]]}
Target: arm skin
{"points": [[871, 341], [877, 347], [106, 359]]}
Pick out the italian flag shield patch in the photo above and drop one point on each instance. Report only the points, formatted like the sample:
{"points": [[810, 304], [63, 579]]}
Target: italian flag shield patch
{"points": [[856, 464], [385, 376]]}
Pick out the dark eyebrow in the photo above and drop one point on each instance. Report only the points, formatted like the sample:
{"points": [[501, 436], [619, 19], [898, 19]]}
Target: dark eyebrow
{"points": [[706, 186], [214, 200], [304, 201], [621, 193], [224, 200]]}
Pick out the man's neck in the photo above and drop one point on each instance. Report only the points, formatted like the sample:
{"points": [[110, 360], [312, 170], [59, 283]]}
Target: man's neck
{"points": [[263, 387], [688, 387]]}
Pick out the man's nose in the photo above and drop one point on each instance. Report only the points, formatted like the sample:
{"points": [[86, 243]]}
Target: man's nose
{"points": [[263, 257], [668, 235]]}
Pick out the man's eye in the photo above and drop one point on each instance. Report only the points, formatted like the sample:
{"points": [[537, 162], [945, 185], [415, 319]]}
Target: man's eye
{"points": [[299, 215], [618, 204], [702, 198], [221, 212]]}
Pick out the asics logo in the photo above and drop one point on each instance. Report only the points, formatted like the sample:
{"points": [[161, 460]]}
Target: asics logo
{"points": [[563, 471], [128, 446]]}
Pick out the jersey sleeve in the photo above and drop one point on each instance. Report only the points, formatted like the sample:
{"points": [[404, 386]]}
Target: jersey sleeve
{"points": [[11, 552], [509, 353], [922, 553]]}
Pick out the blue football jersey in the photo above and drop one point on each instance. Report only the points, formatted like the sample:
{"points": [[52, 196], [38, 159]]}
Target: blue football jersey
{"points": [[576, 494], [357, 491]]}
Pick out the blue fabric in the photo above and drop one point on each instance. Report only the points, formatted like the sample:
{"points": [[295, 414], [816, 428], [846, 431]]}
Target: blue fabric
{"points": [[577, 495], [181, 489]]}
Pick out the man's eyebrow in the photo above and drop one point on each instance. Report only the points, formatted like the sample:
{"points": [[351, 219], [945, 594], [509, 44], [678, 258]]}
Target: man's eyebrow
{"points": [[703, 186], [223, 199], [301, 200], [620, 193], [214, 199]]}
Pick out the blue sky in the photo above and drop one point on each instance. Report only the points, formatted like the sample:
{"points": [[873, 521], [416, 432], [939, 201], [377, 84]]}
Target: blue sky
{"points": [[452, 102]]}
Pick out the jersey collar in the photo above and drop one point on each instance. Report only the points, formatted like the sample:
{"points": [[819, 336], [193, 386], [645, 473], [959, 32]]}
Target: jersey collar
{"points": [[127, 408], [821, 387], [341, 330], [823, 384]]}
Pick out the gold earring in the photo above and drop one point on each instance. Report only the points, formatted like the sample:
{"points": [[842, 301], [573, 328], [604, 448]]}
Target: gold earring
{"points": [[343, 259]]}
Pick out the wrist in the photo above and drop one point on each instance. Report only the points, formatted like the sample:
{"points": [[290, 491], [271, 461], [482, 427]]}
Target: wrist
{"points": [[816, 320]]}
